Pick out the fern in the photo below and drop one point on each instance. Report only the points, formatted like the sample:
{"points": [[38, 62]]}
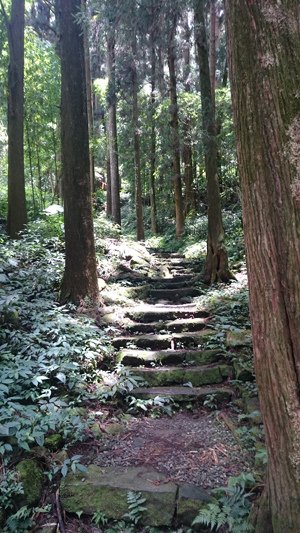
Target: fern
{"points": [[231, 509], [135, 502], [209, 516]]}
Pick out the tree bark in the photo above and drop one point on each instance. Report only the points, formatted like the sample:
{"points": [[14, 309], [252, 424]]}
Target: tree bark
{"points": [[136, 136], [80, 276], [17, 214], [112, 126], [216, 266], [212, 51], [179, 214], [108, 187], [153, 208], [187, 153], [89, 92], [264, 61]]}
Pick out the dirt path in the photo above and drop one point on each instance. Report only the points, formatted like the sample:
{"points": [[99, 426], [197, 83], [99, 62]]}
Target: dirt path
{"points": [[164, 341]]}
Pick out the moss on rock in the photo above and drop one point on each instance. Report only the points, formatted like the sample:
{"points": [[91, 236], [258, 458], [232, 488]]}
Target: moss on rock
{"points": [[105, 489], [31, 476], [190, 501], [53, 442]]}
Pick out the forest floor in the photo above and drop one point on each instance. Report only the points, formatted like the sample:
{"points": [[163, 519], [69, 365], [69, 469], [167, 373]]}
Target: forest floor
{"points": [[157, 382]]}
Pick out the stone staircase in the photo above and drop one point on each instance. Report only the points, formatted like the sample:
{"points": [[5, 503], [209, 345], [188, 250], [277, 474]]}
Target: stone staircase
{"points": [[163, 339]]}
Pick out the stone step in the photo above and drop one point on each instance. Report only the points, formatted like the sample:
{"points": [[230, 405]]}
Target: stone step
{"points": [[169, 357], [155, 313], [175, 375], [171, 340], [173, 294], [184, 280], [170, 285], [105, 489], [179, 325], [164, 253], [185, 394]]}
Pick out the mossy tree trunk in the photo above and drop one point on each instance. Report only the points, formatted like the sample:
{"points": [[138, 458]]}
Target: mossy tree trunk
{"points": [[264, 59], [80, 276], [216, 265], [17, 214]]}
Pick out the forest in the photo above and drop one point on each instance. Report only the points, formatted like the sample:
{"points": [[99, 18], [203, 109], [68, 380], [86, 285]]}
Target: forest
{"points": [[149, 263]]}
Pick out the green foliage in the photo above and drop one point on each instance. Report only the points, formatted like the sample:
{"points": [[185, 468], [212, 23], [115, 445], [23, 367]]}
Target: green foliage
{"points": [[48, 355], [23, 519], [42, 101], [155, 407], [231, 508], [211, 402], [99, 518], [123, 383], [71, 464], [136, 507], [10, 487]]}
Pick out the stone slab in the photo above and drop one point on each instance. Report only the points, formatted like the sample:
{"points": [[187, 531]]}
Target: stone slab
{"points": [[133, 357], [105, 489], [184, 394], [189, 502], [163, 342], [235, 339], [197, 375], [179, 325]]}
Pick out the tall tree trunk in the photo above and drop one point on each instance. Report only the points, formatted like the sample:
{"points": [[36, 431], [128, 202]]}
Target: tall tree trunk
{"points": [[175, 131], [264, 60], [89, 91], [17, 214], [153, 139], [161, 73], [112, 125], [216, 265], [30, 166], [108, 187], [187, 154], [136, 136], [80, 276], [212, 51]]}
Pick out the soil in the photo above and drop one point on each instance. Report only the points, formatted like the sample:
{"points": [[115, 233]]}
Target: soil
{"points": [[192, 447]]}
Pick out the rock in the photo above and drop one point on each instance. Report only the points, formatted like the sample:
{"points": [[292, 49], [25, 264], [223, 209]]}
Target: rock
{"points": [[53, 209], [115, 428], [163, 342], [61, 456], [153, 313], [239, 338], [252, 407], [190, 500], [53, 442], [101, 284], [31, 476], [96, 430], [173, 295], [196, 375], [148, 357], [105, 489], [185, 394], [241, 373]]}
